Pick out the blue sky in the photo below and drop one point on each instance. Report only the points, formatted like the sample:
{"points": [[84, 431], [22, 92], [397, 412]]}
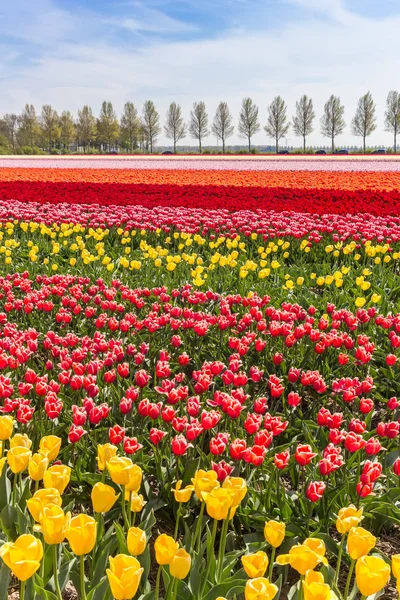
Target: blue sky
{"points": [[72, 52]]}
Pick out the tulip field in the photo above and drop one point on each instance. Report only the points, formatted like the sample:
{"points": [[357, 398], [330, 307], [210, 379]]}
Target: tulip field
{"points": [[199, 378]]}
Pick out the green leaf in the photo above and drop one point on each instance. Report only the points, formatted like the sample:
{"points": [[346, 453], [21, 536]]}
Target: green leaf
{"points": [[64, 572], [8, 519], [5, 576], [123, 548], [5, 489], [101, 591], [329, 543], [101, 558], [43, 594], [229, 587], [195, 575]]}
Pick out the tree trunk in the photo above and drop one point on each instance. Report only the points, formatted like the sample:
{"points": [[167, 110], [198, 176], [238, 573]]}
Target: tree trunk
{"points": [[277, 145], [249, 144], [200, 145], [364, 144], [395, 141], [174, 146], [333, 144], [304, 144], [223, 146]]}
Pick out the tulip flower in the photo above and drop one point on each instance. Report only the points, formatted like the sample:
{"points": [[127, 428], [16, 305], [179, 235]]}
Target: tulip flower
{"points": [[57, 476], [137, 502], [260, 588], [314, 587], [180, 564], [204, 481], [37, 466], [219, 503], [274, 533], [347, 518], [20, 439], [103, 497], [105, 453], [54, 524], [50, 446], [22, 556], [6, 427], [182, 495], [124, 576], [302, 558], [360, 542], [255, 565], [121, 469], [135, 479], [18, 459], [396, 566], [238, 486], [165, 548], [81, 534], [42, 498], [136, 541], [372, 574]]}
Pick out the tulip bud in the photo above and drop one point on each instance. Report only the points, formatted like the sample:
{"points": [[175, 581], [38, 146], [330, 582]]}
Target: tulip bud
{"points": [[255, 565], [372, 574], [23, 556], [165, 548], [81, 534], [37, 467], [136, 541], [103, 497], [124, 576], [179, 566]]}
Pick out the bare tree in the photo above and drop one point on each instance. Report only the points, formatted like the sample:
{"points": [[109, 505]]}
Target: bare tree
{"points": [[29, 130], [332, 121], [85, 127], [303, 119], [50, 125], [107, 126], [11, 122], [67, 127], [198, 124], [222, 125], [150, 123], [175, 128], [364, 121], [392, 116], [248, 120], [129, 126], [276, 126]]}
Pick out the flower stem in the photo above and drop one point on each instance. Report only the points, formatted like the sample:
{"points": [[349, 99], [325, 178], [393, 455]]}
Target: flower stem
{"points": [[178, 514], [349, 576], [271, 564], [55, 571], [82, 569], [126, 522], [339, 560], [157, 590], [22, 590], [198, 529], [222, 545], [210, 556]]}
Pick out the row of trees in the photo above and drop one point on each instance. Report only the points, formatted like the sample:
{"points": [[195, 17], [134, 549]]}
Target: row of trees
{"points": [[50, 130]]}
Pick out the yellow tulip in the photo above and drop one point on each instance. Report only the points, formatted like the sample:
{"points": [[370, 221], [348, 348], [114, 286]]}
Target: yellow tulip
{"points": [[182, 495], [105, 453], [260, 589], [54, 524], [37, 466], [124, 576], [20, 439], [302, 558], [23, 556], [238, 486], [316, 545], [372, 574], [136, 541], [179, 566], [18, 458], [396, 565], [42, 498], [103, 497], [314, 587], [58, 477], [2, 463], [135, 479], [165, 548], [6, 427], [50, 446], [81, 534], [204, 481], [137, 502], [360, 542], [120, 469], [347, 518], [219, 503], [255, 564], [274, 533]]}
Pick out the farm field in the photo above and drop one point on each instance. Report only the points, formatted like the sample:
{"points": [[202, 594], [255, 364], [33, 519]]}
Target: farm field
{"points": [[199, 377]]}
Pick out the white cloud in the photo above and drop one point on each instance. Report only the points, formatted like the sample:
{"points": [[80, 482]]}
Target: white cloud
{"points": [[330, 51]]}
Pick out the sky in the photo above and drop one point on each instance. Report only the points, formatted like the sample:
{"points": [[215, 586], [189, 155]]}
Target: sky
{"points": [[68, 53]]}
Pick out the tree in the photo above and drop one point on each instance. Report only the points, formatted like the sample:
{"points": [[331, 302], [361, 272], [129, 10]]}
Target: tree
{"points": [[364, 121], [67, 127], [29, 130], [175, 128], [150, 124], [222, 125], [49, 124], [107, 125], [248, 120], [129, 126], [85, 127], [392, 115], [11, 128], [198, 124], [276, 126], [303, 119], [332, 121]]}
